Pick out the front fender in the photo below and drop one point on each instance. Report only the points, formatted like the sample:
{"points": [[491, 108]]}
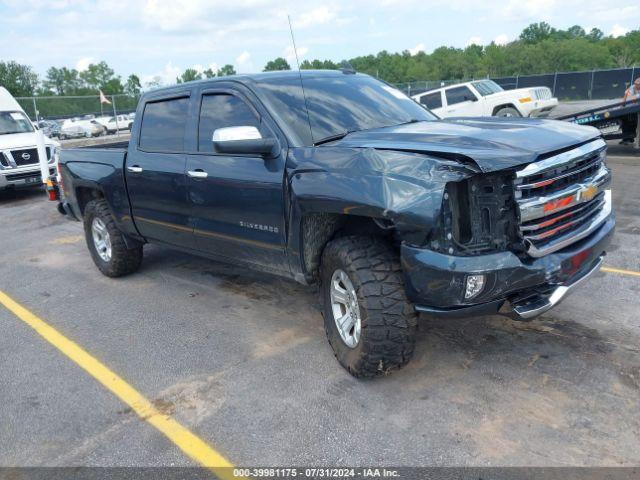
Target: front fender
{"points": [[403, 187]]}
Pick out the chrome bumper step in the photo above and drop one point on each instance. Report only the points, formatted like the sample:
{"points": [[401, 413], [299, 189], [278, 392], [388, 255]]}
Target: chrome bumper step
{"points": [[531, 307]]}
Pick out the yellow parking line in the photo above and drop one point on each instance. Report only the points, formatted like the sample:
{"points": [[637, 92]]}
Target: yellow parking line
{"points": [[189, 443], [621, 271]]}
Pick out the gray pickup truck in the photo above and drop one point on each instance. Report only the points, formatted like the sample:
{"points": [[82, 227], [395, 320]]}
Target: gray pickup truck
{"points": [[349, 184]]}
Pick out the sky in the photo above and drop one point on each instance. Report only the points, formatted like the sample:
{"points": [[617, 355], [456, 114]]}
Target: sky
{"points": [[161, 38]]}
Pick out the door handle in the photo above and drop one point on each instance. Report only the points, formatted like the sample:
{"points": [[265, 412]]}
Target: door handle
{"points": [[197, 173], [134, 169]]}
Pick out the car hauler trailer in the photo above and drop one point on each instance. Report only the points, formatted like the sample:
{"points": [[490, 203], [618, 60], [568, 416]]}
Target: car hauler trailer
{"points": [[613, 120]]}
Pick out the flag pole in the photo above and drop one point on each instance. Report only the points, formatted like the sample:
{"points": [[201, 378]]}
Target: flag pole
{"points": [[115, 116]]}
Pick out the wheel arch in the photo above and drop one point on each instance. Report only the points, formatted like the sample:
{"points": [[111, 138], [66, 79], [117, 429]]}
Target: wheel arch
{"points": [[317, 228], [497, 108], [84, 194]]}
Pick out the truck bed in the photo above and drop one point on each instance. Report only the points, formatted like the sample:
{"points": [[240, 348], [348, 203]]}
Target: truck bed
{"points": [[111, 155]]}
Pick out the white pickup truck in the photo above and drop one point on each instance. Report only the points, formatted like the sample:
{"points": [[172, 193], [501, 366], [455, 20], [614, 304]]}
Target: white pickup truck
{"points": [[114, 124], [485, 98], [27, 157]]}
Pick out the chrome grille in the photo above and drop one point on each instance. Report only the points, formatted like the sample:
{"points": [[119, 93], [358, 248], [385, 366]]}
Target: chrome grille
{"points": [[542, 93], [25, 156], [563, 198]]}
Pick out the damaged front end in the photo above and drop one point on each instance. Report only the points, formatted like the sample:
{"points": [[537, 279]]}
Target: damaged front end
{"points": [[473, 240], [515, 242]]}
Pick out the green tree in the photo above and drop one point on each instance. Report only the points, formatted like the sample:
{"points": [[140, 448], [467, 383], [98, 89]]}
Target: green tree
{"points": [[133, 86], [536, 32], [100, 76], [63, 81], [226, 70], [209, 73], [20, 80], [576, 32], [318, 65], [595, 35], [276, 64], [189, 75]]}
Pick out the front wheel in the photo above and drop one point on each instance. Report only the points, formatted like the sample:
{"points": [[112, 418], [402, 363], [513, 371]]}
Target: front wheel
{"points": [[508, 112], [106, 244], [368, 320]]}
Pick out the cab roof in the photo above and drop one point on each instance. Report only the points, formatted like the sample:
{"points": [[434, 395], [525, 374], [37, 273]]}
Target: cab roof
{"points": [[248, 78]]}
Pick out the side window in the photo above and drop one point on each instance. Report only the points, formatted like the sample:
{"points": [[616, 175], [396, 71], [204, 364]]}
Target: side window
{"points": [[163, 125], [220, 111], [459, 95], [432, 100]]}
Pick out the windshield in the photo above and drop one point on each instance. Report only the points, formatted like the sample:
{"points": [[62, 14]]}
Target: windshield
{"points": [[338, 103], [487, 87], [14, 122]]}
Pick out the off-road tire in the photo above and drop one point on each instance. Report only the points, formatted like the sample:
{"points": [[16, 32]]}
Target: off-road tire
{"points": [[508, 112], [388, 320], [123, 260]]}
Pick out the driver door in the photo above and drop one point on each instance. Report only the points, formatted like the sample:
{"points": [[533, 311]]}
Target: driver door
{"points": [[237, 199]]}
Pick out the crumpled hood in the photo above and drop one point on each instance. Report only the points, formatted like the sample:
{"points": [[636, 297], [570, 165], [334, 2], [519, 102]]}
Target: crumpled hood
{"points": [[492, 143]]}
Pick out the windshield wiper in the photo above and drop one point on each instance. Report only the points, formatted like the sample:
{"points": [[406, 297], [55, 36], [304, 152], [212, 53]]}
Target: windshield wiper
{"points": [[333, 138]]}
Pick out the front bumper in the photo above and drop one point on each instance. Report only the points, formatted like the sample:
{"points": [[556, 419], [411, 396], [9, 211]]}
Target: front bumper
{"points": [[21, 177], [521, 289], [542, 108]]}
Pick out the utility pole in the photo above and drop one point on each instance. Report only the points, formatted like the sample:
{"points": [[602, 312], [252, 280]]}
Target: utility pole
{"points": [[35, 109]]}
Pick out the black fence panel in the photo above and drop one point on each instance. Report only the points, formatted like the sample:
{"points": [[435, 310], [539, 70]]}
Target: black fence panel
{"points": [[508, 83], [610, 83], [546, 80], [573, 86]]}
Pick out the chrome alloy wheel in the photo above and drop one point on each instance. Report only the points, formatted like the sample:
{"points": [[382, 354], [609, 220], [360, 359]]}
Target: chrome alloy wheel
{"points": [[344, 305], [101, 239]]}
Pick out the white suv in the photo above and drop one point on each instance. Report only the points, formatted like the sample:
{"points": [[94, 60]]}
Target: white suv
{"points": [[27, 157], [485, 98]]}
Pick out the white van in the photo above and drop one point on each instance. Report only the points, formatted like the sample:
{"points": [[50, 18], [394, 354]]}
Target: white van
{"points": [[27, 157]]}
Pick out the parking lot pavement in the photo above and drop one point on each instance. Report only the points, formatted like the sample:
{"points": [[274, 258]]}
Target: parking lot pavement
{"points": [[241, 360]]}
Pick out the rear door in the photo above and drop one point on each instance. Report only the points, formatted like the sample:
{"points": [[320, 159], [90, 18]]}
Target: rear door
{"points": [[462, 102], [237, 200], [155, 172]]}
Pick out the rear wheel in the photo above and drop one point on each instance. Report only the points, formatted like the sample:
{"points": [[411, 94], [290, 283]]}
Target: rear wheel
{"points": [[508, 112], [368, 320], [106, 243]]}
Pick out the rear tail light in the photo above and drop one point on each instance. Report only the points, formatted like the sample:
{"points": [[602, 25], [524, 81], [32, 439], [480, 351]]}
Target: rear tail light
{"points": [[51, 190]]}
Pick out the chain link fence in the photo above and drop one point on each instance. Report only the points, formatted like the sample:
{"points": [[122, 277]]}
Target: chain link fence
{"points": [[587, 85], [61, 107]]}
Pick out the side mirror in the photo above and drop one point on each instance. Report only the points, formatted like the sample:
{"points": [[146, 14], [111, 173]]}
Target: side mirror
{"points": [[243, 140]]}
